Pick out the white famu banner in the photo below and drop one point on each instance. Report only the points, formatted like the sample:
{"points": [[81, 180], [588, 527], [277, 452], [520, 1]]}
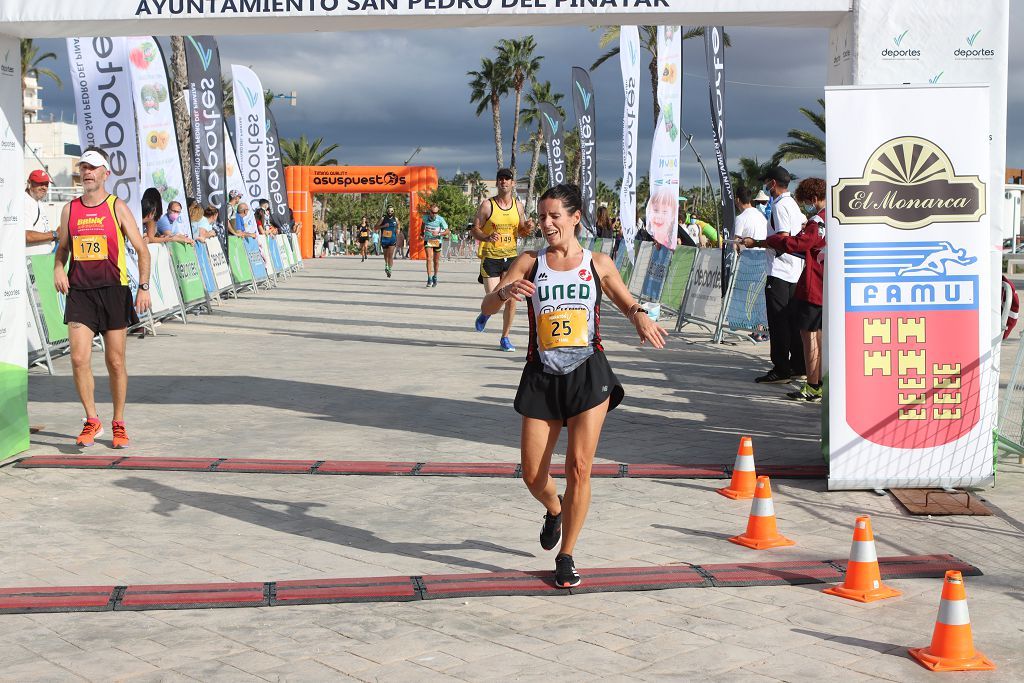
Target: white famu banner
{"points": [[13, 278], [908, 281], [106, 119], [703, 299], [250, 132], [159, 160], [663, 205], [629, 60]]}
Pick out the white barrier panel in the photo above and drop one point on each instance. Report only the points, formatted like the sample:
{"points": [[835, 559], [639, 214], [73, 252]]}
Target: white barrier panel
{"points": [[163, 285], [219, 263], [911, 400], [640, 264], [295, 246], [703, 300], [265, 254], [285, 249]]}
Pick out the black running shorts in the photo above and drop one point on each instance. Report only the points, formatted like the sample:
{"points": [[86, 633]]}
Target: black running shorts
{"points": [[494, 267], [545, 396], [808, 316], [101, 309]]}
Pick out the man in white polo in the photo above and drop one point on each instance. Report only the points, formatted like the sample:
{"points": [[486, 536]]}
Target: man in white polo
{"points": [[40, 237], [784, 271]]}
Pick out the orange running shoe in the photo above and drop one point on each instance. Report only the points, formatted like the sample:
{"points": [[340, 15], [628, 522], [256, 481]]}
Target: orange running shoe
{"points": [[120, 434], [92, 429]]}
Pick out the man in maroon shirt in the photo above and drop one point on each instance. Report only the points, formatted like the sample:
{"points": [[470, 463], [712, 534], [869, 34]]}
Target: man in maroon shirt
{"points": [[807, 244]]}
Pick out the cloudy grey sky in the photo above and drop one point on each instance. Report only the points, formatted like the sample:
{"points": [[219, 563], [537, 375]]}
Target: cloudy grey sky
{"points": [[379, 95]]}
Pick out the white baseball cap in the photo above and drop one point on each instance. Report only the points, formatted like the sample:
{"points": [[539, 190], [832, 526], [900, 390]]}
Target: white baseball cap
{"points": [[93, 158]]}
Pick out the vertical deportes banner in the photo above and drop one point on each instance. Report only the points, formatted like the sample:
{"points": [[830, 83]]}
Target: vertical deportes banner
{"points": [[206, 96], [714, 47], [629, 61], [908, 286], [586, 126], [250, 132], [159, 161], [13, 278], [554, 142], [663, 205], [277, 193], [106, 118]]}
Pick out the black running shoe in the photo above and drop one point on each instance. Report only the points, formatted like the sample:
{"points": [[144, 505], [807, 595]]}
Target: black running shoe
{"points": [[772, 378], [565, 572], [551, 532]]}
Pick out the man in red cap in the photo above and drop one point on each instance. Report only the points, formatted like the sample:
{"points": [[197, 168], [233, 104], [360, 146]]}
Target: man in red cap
{"points": [[40, 238]]}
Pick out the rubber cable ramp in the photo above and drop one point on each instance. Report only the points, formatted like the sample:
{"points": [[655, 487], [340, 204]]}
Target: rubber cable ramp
{"points": [[441, 586], [385, 467]]}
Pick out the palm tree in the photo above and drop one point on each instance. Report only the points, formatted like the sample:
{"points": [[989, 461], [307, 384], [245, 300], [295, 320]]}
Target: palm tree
{"points": [[751, 173], [518, 60], [802, 144], [302, 152], [539, 92], [182, 121], [649, 42], [487, 86], [30, 67]]}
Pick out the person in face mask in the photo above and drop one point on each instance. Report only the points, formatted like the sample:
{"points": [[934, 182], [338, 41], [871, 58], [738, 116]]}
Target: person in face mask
{"points": [[807, 245]]}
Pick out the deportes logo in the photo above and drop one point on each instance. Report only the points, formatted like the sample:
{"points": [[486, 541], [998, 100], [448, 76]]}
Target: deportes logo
{"points": [[900, 52], [973, 52]]}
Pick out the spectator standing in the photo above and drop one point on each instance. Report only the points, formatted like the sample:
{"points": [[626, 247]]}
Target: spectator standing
{"points": [[749, 221], [807, 244], [783, 273], [171, 227], [40, 238], [762, 203], [199, 217]]}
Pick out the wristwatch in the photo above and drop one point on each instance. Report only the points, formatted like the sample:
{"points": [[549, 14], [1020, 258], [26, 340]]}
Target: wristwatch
{"points": [[144, 286]]}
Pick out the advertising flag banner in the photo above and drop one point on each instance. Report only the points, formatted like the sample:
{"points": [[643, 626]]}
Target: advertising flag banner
{"points": [[13, 276], [206, 98], [105, 107], [586, 126], [159, 160], [629, 60], [277, 193], [554, 142], [663, 205], [910, 385], [250, 132], [714, 47]]}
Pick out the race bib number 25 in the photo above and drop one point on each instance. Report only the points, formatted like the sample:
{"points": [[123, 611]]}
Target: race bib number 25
{"points": [[563, 328]]}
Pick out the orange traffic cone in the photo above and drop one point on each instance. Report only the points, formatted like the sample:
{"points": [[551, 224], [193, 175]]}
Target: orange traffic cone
{"points": [[743, 476], [863, 580], [952, 647], [761, 530]]}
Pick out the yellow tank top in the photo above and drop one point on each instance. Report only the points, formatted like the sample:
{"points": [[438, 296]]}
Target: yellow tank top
{"points": [[505, 222]]}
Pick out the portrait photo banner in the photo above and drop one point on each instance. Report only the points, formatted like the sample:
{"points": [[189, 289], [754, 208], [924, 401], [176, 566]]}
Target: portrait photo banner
{"points": [[663, 205], [911, 388]]}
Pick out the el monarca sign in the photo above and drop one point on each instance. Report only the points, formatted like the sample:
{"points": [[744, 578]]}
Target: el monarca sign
{"points": [[908, 183]]}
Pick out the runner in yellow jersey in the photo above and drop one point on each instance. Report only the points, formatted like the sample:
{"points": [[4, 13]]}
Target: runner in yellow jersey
{"points": [[499, 221]]}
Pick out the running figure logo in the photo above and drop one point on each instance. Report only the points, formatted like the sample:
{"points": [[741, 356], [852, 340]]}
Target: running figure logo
{"points": [[937, 261]]}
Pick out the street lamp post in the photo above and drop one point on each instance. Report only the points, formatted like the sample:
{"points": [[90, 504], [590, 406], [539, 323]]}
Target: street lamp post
{"points": [[293, 97]]}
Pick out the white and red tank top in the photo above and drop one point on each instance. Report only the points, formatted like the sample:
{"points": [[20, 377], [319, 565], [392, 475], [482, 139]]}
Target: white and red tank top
{"points": [[565, 314], [97, 246]]}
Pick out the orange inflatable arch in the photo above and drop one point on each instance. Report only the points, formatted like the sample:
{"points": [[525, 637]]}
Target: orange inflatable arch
{"points": [[305, 181]]}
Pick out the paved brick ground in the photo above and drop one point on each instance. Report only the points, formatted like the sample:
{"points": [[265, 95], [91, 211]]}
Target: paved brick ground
{"points": [[340, 362]]}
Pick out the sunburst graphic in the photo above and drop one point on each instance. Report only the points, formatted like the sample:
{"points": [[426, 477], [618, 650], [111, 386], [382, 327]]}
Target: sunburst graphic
{"points": [[909, 161]]}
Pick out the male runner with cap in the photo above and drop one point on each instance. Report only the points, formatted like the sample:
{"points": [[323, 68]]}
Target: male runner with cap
{"points": [[499, 221], [92, 234]]}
